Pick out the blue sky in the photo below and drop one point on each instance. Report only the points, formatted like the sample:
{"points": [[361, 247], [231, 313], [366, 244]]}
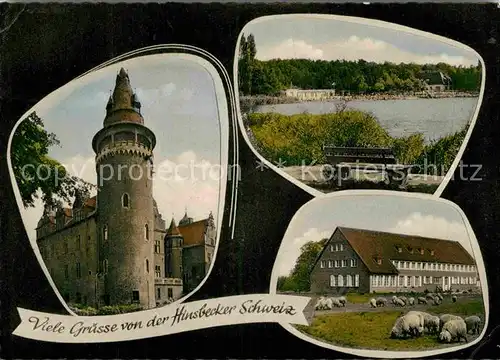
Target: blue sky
{"points": [[397, 214], [331, 39], [179, 105]]}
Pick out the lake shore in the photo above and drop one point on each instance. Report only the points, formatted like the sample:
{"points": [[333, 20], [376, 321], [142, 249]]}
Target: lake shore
{"points": [[248, 102]]}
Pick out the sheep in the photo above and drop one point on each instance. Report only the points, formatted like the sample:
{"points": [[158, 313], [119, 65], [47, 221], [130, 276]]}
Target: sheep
{"points": [[343, 300], [443, 319], [320, 303], [394, 300], [436, 301], [373, 303], [399, 302], [439, 296], [429, 296], [404, 299], [421, 300], [381, 301], [473, 324], [431, 323], [454, 298], [328, 304], [408, 325], [411, 301], [453, 330], [335, 302]]}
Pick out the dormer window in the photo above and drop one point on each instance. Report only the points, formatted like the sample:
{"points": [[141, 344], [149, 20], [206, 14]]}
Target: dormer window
{"points": [[410, 249], [421, 251], [398, 248], [432, 252], [378, 260]]}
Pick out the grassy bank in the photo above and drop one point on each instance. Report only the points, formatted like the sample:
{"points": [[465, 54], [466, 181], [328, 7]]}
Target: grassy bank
{"points": [[371, 330], [298, 139]]}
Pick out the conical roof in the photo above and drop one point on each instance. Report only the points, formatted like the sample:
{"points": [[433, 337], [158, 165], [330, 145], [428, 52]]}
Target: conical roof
{"points": [[173, 230], [123, 104]]}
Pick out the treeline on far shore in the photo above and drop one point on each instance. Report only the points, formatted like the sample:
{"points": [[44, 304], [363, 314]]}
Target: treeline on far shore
{"points": [[298, 139]]}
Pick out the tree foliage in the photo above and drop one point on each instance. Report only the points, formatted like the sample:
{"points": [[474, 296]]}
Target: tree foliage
{"points": [[34, 170], [299, 278], [269, 77]]}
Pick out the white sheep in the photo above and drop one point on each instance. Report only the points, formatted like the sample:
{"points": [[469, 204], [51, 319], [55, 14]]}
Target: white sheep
{"points": [[400, 302], [320, 303], [431, 323], [328, 304], [411, 301], [436, 301], [440, 296], [408, 325], [373, 303], [473, 324], [381, 301], [429, 296], [421, 300], [342, 300], [335, 302], [394, 298], [443, 319], [403, 298], [454, 298], [454, 330]]}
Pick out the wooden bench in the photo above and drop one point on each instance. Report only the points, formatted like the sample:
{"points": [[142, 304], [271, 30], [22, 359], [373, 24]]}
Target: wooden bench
{"points": [[344, 159]]}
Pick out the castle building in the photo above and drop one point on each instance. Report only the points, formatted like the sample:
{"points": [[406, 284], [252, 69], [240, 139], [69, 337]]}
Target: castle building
{"points": [[114, 248], [368, 261]]}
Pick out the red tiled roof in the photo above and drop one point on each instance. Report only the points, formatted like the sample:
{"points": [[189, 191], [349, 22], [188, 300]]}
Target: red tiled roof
{"points": [[372, 244], [173, 230], [193, 233]]}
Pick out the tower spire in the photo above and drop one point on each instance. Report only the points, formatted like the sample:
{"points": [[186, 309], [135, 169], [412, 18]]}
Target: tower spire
{"points": [[123, 104]]}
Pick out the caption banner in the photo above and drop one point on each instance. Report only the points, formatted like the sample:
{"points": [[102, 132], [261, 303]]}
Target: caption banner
{"points": [[165, 320]]}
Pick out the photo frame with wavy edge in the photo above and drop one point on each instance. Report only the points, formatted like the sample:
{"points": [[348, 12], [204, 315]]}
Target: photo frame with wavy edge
{"points": [[226, 109], [371, 22], [396, 354]]}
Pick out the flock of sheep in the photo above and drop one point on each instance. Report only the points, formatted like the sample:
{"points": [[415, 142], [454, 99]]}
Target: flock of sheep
{"points": [[328, 303], [448, 327], [434, 299]]}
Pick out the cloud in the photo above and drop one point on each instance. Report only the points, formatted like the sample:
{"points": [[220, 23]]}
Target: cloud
{"points": [[291, 249], [434, 227], [355, 48]]}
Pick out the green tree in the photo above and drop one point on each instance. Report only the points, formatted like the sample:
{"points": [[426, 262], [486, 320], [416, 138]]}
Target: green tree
{"points": [[34, 170]]}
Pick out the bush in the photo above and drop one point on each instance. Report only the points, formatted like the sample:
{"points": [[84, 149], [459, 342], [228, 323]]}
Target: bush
{"points": [[298, 139], [84, 310]]}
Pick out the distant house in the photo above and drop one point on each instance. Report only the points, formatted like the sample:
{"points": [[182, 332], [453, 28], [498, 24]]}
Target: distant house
{"points": [[371, 261], [309, 95], [436, 81]]}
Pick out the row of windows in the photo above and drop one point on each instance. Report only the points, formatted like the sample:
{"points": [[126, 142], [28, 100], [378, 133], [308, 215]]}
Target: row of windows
{"points": [[338, 263], [336, 247], [170, 293], [432, 266], [350, 280], [408, 281]]}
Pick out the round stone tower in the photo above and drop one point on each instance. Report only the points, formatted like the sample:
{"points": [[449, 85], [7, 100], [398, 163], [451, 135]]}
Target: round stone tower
{"points": [[173, 252], [125, 219]]}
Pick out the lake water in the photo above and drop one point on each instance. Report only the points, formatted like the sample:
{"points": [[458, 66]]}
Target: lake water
{"points": [[434, 118]]}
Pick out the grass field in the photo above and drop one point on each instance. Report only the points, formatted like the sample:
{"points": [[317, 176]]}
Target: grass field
{"points": [[371, 330]]}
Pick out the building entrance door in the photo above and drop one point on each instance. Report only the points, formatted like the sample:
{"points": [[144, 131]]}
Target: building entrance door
{"points": [[446, 283]]}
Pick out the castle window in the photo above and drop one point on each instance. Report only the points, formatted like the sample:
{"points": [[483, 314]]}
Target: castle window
{"points": [[337, 263], [344, 263], [157, 271], [354, 262], [157, 246], [78, 242], [105, 232], [170, 293], [125, 200], [105, 266], [332, 280], [356, 280], [146, 231], [349, 280], [158, 293], [330, 264], [340, 281], [147, 265], [78, 271], [322, 264], [135, 296]]}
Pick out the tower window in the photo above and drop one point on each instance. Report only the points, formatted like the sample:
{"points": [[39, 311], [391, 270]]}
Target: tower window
{"points": [[135, 296], [78, 270], [158, 293], [105, 266], [147, 266], [105, 232], [157, 246], [157, 271], [146, 231], [125, 200]]}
